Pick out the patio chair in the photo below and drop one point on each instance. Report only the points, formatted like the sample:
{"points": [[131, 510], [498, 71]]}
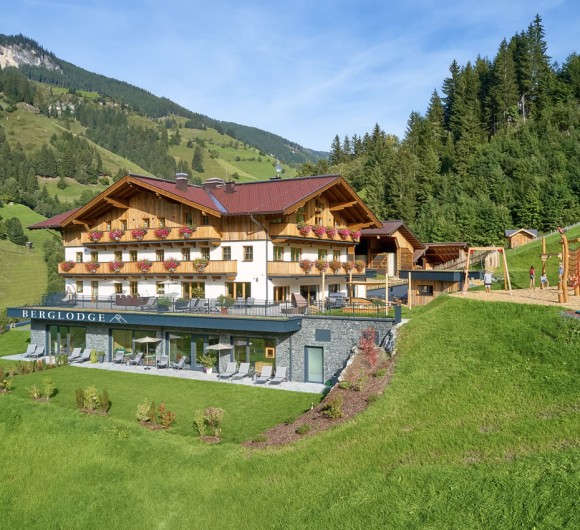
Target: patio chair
{"points": [[239, 303], [266, 375], [280, 376], [137, 359], [244, 371], [162, 362], [212, 306], [119, 356], [29, 351], [250, 302], [85, 356], [231, 369], [201, 306], [179, 364], [38, 352], [150, 304], [74, 354]]}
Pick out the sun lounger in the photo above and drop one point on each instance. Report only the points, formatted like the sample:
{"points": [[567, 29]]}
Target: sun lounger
{"points": [[266, 375], [231, 369], [85, 356], [119, 356], [280, 376], [162, 362], [244, 371], [38, 352], [74, 354], [137, 359], [179, 364], [29, 351]]}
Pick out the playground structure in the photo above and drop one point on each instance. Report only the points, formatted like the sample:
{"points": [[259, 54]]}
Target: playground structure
{"points": [[570, 259], [506, 275]]}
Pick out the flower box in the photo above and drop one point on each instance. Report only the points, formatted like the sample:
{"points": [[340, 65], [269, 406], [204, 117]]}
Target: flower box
{"points": [[67, 266], [348, 266], [116, 235], [355, 234], [344, 233], [162, 233], [304, 229], [187, 231], [359, 265], [138, 233], [321, 264], [95, 236], [199, 264], [92, 266], [335, 266], [171, 264], [330, 232], [116, 266], [319, 230], [144, 265], [306, 265]]}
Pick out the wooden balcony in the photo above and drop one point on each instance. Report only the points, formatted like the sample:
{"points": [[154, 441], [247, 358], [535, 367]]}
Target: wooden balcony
{"points": [[202, 233], [289, 231], [186, 268], [292, 268]]}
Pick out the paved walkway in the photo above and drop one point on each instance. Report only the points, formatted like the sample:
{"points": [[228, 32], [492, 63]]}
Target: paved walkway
{"points": [[193, 375]]}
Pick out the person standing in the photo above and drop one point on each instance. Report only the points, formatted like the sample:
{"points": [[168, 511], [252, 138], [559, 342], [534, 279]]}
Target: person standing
{"points": [[487, 280], [532, 277], [544, 283], [560, 272]]}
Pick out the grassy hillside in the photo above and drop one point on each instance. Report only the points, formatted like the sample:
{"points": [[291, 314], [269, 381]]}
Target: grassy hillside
{"points": [[479, 434], [23, 275]]}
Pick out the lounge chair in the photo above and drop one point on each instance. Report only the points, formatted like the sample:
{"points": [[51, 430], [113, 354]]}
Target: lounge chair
{"points": [[85, 356], [119, 356], [137, 359], [244, 371], [162, 362], [250, 302], [212, 306], [266, 375], [280, 376], [29, 351], [239, 303], [179, 364], [231, 369], [38, 352], [74, 354]]}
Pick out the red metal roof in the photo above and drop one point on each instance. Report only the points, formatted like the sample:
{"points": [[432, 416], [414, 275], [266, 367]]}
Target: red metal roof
{"points": [[389, 228], [53, 222]]}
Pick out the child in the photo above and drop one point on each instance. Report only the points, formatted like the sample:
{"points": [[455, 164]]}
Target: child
{"points": [[532, 277], [487, 279], [544, 281]]}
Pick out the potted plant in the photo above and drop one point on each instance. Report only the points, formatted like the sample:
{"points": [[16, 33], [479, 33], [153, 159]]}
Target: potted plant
{"points": [[321, 265], [344, 233], [306, 265], [95, 236], [319, 230], [171, 264], [162, 232], [92, 266], [101, 356], [304, 229], [335, 266], [355, 234], [347, 266], [330, 232], [225, 301], [144, 265], [138, 233], [359, 265], [116, 266], [116, 235], [163, 304], [197, 292], [187, 231], [199, 264], [207, 361], [68, 265]]}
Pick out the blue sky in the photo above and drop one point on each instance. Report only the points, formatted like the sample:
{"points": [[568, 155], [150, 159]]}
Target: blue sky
{"points": [[304, 69]]}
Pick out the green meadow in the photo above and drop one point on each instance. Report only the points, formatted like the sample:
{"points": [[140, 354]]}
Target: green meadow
{"points": [[478, 430]]}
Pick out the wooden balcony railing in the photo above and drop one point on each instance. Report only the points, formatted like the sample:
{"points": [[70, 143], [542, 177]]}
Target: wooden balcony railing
{"points": [[133, 268], [293, 268], [201, 233], [283, 230]]}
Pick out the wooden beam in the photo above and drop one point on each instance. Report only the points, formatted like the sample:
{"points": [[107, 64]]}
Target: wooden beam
{"points": [[81, 222], [342, 206], [117, 203]]}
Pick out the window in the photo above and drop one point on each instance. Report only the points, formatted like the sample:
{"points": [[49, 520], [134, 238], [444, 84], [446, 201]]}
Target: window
{"points": [[95, 257], [161, 222], [227, 253], [118, 255], [185, 254], [278, 220], [300, 215], [108, 226], [160, 288], [322, 253], [80, 286], [159, 255], [295, 254], [317, 213], [336, 255], [282, 293], [79, 257], [278, 253], [94, 290], [205, 220], [123, 224], [239, 289], [425, 290], [188, 219], [133, 288], [248, 253], [205, 252], [132, 255], [146, 222], [193, 289], [118, 288]]}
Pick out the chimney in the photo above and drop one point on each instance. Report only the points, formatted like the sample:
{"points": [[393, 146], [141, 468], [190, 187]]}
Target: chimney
{"points": [[230, 187], [181, 181]]}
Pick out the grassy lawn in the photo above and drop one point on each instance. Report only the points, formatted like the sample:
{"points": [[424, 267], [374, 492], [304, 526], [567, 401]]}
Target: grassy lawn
{"points": [[478, 429]]}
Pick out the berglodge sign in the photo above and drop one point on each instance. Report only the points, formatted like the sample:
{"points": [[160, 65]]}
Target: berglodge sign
{"points": [[73, 316]]}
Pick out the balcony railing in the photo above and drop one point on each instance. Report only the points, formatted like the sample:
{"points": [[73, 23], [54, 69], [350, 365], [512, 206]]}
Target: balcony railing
{"points": [[133, 268], [294, 268], [99, 237], [316, 233]]}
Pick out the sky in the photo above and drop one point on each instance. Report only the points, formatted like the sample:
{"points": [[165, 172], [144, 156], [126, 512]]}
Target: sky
{"points": [[306, 70]]}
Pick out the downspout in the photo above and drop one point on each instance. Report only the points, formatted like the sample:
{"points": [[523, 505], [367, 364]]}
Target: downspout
{"points": [[266, 259]]}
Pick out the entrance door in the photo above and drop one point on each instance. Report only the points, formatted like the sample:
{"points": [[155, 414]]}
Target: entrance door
{"points": [[314, 364], [94, 291]]}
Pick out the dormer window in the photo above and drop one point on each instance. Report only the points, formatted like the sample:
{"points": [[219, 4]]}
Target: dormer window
{"points": [[161, 222], [146, 222]]}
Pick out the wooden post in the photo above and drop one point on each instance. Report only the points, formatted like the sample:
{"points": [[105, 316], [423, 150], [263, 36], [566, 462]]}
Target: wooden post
{"points": [[506, 274], [565, 262], [386, 293], [466, 279], [410, 291], [323, 274]]}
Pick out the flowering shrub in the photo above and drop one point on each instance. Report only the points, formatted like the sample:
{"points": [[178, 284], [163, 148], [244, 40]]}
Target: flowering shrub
{"points": [[116, 266], [355, 234], [171, 264], [348, 266], [319, 230], [330, 231], [344, 233], [304, 229], [92, 266], [67, 266], [368, 345], [199, 264], [116, 235], [321, 264], [138, 233], [187, 231], [162, 233], [306, 265], [95, 236], [144, 265], [359, 265], [335, 265]]}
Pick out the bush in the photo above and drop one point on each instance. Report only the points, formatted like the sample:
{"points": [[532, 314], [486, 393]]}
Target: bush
{"points": [[367, 345], [34, 392], [359, 384], [372, 398], [150, 414], [381, 372], [333, 408], [345, 385], [209, 419], [303, 429], [49, 387], [88, 400]]}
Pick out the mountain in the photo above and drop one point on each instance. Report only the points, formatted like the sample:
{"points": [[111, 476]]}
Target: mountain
{"points": [[41, 65]]}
